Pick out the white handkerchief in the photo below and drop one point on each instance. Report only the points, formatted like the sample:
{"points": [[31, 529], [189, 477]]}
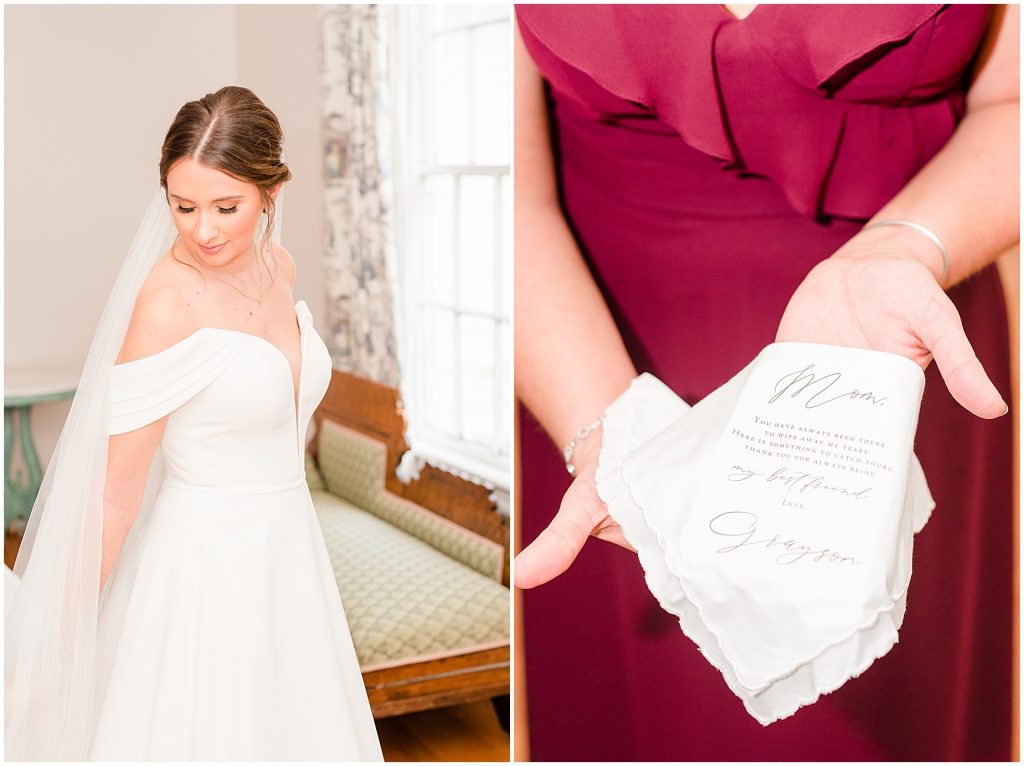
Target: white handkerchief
{"points": [[776, 517]]}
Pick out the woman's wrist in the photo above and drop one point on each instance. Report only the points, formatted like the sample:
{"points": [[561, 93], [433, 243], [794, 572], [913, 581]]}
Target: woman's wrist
{"points": [[898, 241], [569, 451], [923, 232], [587, 451], [592, 396]]}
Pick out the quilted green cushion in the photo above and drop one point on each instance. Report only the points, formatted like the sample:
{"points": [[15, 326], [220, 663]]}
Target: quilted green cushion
{"points": [[404, 600], [352, 466]]}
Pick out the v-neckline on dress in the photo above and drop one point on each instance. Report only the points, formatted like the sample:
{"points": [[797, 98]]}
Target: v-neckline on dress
{"points": [[732, 16], [293, 379]]}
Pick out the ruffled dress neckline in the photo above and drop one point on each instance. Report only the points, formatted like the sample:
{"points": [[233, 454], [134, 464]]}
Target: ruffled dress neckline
{"points": [[837, 105]]}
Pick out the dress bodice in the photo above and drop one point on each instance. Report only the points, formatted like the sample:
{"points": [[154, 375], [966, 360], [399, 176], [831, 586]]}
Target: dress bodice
{"points": [[231, 399]]}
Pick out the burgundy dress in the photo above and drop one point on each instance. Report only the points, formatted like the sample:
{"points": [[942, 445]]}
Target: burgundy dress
{"points": [[705, 165]]}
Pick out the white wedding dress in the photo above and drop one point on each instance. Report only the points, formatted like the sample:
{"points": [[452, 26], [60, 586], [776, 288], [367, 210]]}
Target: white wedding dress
{"points": [[222, 635]]}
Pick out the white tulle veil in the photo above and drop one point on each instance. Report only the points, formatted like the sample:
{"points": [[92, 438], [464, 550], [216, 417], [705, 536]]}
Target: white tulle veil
{"points": [[52, 671]]}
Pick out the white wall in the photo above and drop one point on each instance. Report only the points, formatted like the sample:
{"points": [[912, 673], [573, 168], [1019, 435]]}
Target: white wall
{"points": [[90, 93]]}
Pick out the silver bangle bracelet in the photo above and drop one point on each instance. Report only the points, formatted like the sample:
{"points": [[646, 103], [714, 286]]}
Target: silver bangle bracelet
{"points": [[581, 434], [921, 230]]}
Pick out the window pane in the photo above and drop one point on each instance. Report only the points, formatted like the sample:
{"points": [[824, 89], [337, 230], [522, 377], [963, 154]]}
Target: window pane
{"points": [[437, 361], [438, 263], [463, 276], [477, 371], [476, 242], [450, 98], [452, 16], [490, 94]]}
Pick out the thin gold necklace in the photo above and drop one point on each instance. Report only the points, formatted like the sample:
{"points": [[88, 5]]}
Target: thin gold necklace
{"points": [[259, 300]]}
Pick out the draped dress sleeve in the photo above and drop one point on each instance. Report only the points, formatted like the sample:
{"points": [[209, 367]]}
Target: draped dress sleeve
{"points": [[144, 390]]}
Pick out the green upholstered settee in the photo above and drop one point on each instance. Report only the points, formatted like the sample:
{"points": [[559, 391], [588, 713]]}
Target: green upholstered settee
{"points": [[423, 596]]}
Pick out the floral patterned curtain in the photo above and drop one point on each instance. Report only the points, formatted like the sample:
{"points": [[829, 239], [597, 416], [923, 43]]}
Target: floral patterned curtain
{"points": [[356, 183]]}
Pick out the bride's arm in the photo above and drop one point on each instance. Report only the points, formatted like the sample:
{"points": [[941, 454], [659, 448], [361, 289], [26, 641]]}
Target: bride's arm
{"points": [[128, 459], [570, 360], [156, 323]]}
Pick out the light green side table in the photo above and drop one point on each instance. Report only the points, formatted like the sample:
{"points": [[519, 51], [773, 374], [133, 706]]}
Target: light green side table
{"points": [[22, 390]]}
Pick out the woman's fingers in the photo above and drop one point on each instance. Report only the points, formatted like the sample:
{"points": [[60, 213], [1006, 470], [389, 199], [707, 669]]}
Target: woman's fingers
{"points": [[558, 545], [943, 333], [612, 533]]}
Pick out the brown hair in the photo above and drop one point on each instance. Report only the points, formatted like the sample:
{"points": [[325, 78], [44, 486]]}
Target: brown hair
{"points": [[233, 131]]}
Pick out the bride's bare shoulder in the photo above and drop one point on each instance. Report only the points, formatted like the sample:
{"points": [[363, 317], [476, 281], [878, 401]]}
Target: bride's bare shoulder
{"points": [[164, 312]]}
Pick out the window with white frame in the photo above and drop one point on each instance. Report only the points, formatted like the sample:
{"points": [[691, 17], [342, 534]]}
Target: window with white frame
{"points": [[454, 200]]}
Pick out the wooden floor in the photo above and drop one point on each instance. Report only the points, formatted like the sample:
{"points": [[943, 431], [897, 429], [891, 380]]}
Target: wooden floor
{"points": [[459, 733]]}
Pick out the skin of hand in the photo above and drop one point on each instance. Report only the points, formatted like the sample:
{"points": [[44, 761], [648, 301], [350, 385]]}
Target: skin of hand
{"points": [[582, 514], [874, 292]]}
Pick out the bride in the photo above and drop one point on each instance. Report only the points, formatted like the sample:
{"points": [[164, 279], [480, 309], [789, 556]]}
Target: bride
{"points": [[197, 619]]}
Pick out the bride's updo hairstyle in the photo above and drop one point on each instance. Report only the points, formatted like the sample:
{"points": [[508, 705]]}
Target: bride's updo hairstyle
{"points": [[234, 132]]}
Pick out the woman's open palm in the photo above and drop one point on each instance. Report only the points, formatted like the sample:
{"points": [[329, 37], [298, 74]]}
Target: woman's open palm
{"points": [[885, 300]]}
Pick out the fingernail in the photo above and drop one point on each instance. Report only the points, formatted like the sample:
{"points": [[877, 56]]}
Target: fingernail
{"points": [[1006, 408]]}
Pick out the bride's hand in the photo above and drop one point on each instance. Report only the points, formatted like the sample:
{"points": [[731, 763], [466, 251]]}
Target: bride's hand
{"points": [[581, 515], [876, 292]]}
